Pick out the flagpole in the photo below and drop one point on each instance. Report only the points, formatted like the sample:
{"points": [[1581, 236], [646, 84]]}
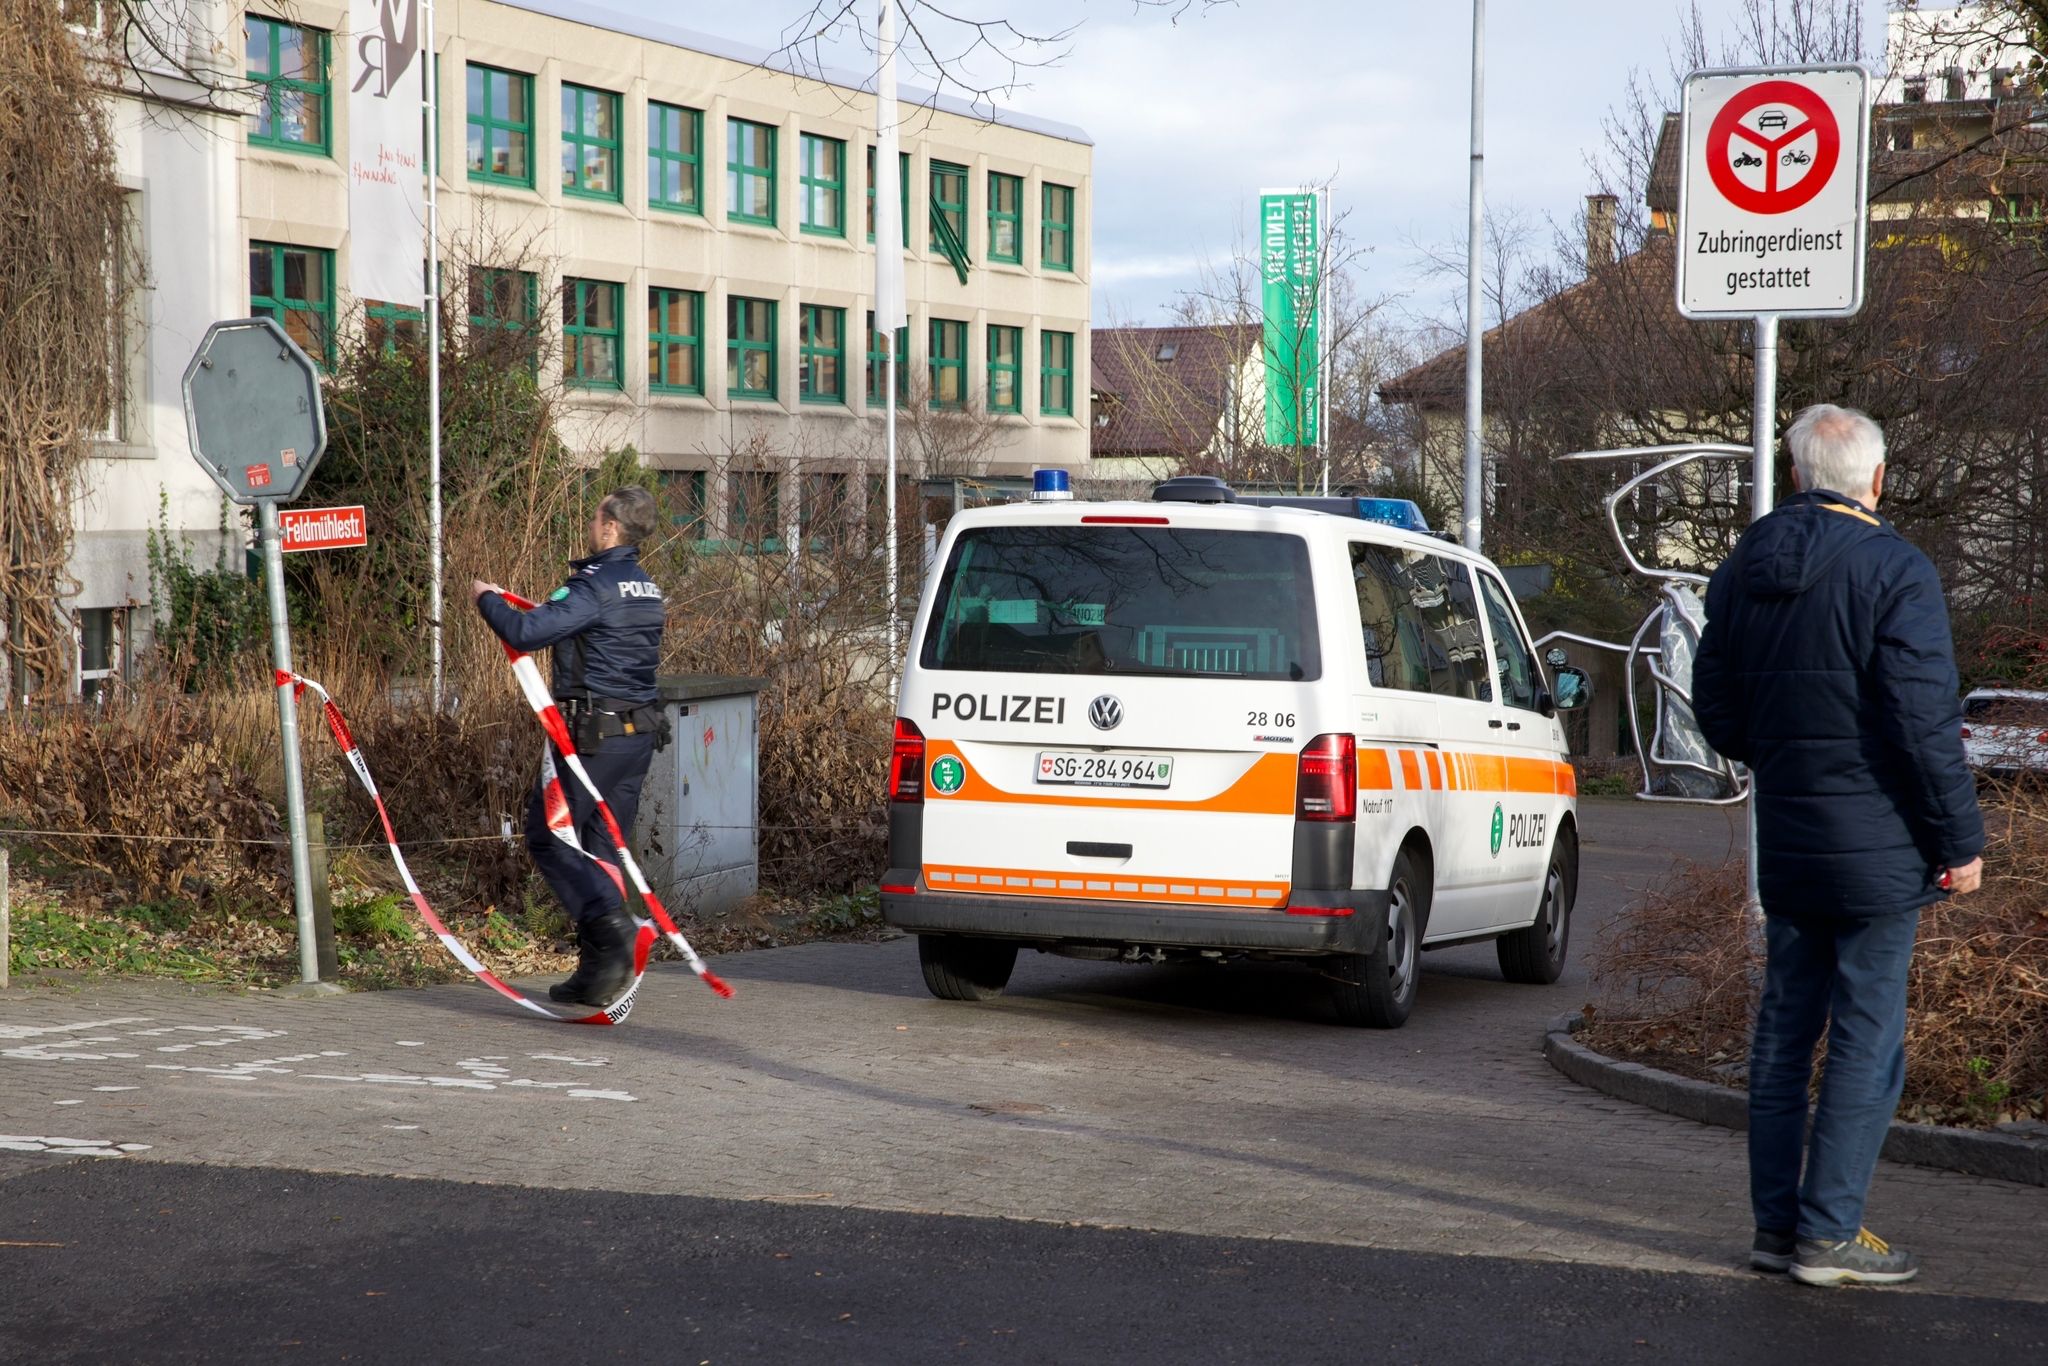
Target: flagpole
{"points": [[889, 302], [433, 311]]}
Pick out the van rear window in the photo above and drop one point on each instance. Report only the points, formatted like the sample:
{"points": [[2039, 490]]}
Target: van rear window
{"points": [[1175, 601]]}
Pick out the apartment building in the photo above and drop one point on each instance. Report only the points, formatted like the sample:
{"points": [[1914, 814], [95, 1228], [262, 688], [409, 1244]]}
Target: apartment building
{"points": [[175, 140], [693, 229]]}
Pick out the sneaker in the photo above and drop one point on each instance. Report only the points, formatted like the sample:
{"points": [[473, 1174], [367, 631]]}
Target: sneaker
{"points": [[1772, 1251], [1865, 1259]]}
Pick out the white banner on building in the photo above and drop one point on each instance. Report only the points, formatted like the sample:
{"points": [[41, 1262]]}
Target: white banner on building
{"points": [[386, 224]]}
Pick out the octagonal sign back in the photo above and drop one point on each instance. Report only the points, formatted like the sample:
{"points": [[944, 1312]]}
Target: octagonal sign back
{"points": [[252, 410]]}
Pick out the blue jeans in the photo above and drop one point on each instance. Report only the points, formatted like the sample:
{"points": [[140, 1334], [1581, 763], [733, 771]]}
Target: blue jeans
{"points": [[1847, 976]]}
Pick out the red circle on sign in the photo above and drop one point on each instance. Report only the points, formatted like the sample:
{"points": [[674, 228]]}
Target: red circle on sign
{"points": [[1729, 135]]}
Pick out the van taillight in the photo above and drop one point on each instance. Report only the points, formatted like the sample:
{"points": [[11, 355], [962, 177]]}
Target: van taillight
{"points": [[906, 763], [1326, 785], [1966, 732]]}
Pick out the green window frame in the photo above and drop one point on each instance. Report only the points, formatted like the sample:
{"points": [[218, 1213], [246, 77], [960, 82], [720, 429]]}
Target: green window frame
{"points": [[947, 360], [288, 62], [1005, 369], [392, 327], [675, 157], [295, 286], [1056, 374], [593, 334], [821, 368], [949, 203], [684, 496], [750, 172], [877, 365], [902, 188], [750, 348], [1006, 218], [1056, 244], [500, 116], [675, 341], [504, 309], [754, 506], [590, 143], [824, 185]]}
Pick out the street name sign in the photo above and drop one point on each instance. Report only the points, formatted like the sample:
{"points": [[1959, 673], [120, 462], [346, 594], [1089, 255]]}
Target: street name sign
{"points": [[1772, 192], [322, 528]]}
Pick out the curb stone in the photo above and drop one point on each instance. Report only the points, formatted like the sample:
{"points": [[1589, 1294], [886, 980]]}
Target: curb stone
{"points": [[2003, 1157]]}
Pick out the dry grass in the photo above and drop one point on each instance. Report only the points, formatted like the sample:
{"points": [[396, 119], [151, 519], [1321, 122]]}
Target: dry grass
{"points": [[1677, 978]]}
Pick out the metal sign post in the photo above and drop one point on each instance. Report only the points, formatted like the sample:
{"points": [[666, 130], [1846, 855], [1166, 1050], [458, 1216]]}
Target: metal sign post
{"points": [[1773, 193], [253, 416]]}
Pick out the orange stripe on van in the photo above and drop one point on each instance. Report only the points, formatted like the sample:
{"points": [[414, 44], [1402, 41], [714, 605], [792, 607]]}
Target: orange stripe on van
{"points": [[1411, 772], [1436, 769], [1081, 886], [1375, 771], [1266, 789]]}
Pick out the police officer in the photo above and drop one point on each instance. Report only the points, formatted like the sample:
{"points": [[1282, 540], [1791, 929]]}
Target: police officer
{"points": [[604, 624]]}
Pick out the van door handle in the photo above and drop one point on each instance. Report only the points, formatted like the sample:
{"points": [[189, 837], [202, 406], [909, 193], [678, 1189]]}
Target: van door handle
{"points": [[1089, 849], [1496, 724], [1514, 725]]}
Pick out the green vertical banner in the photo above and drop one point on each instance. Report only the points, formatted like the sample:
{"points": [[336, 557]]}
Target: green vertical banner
{"points": [[1289, 253]]}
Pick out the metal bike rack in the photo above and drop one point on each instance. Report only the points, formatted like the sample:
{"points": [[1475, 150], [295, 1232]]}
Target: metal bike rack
{"points": [[1677, 755]]}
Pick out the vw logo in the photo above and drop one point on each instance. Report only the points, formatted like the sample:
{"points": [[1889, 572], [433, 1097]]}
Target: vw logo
{"points": [[1105, 712]]}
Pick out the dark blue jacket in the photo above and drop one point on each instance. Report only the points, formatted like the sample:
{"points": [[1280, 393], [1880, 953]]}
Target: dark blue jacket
{"points": [[604, 623], [1828, 668]]}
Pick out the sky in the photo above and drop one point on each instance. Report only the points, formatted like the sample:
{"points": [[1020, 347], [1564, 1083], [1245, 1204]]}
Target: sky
{"points": [[1191, 118]]}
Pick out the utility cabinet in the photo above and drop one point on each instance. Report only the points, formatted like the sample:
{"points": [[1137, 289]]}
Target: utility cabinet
{"points": [[696, 835]]}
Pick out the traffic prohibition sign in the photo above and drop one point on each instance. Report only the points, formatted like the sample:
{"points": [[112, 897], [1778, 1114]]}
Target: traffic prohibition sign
{"points": [[1785, 174]]}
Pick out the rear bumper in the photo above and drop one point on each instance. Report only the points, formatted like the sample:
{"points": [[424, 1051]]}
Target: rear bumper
{"points": [[1314, 922]]}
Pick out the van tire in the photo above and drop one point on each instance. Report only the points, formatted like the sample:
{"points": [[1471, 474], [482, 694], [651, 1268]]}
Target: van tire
{"points": [[1535, 954], [1387, 978], [960, 968]]}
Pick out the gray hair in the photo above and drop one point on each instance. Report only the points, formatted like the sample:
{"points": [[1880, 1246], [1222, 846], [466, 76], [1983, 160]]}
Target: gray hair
{"points": [[634, 510], [1836, 448]]}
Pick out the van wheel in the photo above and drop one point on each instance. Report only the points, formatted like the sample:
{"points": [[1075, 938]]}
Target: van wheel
{"points": [[1535, 954], [957, 968], [1387, 977]]}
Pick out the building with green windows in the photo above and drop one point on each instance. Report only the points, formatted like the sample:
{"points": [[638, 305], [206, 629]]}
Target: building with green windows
{"points": [[684, 238]]}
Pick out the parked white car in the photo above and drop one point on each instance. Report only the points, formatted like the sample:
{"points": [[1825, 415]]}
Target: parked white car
{"points": [[2005, 730]]}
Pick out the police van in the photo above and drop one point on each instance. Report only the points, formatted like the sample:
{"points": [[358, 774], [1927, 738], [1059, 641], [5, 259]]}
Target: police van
{"points": [[1206, 727]]}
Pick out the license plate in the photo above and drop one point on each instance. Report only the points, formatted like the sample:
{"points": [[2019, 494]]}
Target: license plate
{"points": [[1104, 770]]}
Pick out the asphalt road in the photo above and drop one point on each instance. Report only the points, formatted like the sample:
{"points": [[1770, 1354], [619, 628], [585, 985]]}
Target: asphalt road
{"points": [[1109, 1163], [133, 1262]]}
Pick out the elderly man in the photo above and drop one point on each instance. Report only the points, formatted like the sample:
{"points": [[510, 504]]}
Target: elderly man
{"points": [[1828, 668]]}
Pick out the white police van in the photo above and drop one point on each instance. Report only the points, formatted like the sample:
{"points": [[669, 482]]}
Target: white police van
{"points": [[1206, 727]]}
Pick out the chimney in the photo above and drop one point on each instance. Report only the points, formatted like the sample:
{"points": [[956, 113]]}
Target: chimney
{"points": [[1602, 211]]}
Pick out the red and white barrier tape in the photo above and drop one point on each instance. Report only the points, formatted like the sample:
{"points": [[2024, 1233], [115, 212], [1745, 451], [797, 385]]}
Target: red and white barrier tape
{"points": [[560, 823]]}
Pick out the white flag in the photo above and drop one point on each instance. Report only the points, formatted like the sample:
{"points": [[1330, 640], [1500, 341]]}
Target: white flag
{"points": [[890, 309], [386, 225]]}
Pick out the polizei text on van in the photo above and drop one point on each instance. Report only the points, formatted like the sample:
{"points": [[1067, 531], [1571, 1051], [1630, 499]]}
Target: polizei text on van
{"points": [[1018, 707]]}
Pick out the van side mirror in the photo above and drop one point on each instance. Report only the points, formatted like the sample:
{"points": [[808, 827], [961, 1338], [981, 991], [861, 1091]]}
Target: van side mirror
{"points": [[1574, 689]]}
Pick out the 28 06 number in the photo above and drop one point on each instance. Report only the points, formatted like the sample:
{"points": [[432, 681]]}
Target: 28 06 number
{"points": [[1282, 719]]}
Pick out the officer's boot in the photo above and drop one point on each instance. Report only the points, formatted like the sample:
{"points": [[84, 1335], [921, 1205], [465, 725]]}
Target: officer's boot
{"points": [[604, 961]]}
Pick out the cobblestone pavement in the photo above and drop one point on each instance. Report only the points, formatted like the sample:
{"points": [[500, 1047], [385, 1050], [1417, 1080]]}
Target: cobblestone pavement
{"points": [[1209, 1102]]}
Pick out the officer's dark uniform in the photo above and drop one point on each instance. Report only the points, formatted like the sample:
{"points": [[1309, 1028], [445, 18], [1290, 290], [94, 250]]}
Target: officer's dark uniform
{"points": [[604, 624]]}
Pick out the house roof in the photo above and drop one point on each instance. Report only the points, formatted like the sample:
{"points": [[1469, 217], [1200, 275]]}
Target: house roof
{"points": [[638, 26], [1946, 165], [2014, 162], [1163, 390]]}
